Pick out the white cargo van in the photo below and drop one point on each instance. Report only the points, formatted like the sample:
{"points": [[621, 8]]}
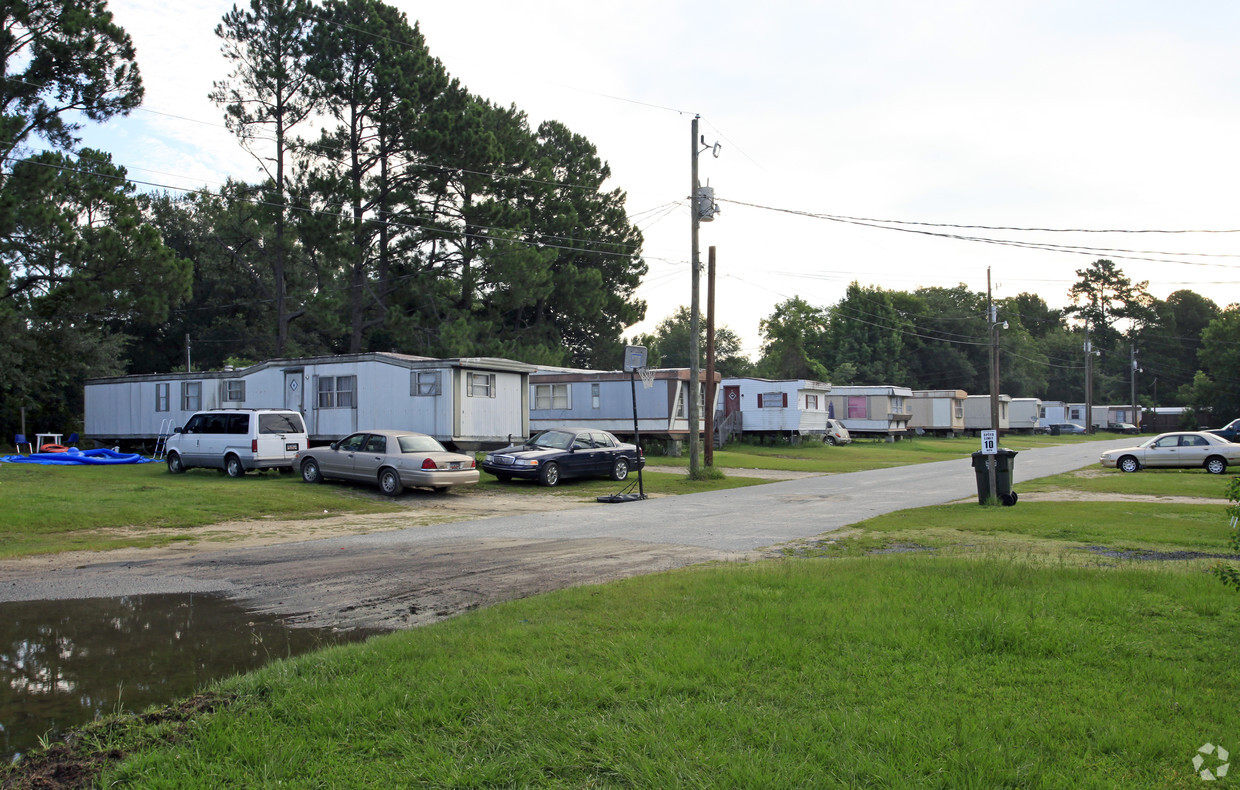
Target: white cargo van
{"points": [[237, 440]]}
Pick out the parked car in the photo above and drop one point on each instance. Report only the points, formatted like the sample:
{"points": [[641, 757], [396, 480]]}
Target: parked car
{"points": [[1122, 427], [836, 433], [1184, 449], [1058, 428], [560, 453], [1230, 431], [392, 460], [237, 440]]}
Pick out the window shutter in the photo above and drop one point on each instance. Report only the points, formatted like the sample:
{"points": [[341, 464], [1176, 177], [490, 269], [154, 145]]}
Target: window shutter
{"points": [[492, 383], [759, 400], [785, 400]]}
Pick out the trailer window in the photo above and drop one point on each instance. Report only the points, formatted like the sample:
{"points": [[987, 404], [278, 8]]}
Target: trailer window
{"points": [[480, 385], [162, 397], [337, 392], [552, 396], [191, 395], [425, 383], [234, 391]]}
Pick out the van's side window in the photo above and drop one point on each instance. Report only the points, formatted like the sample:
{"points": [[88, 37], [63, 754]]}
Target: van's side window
{"points": [[194, 425], [215, 423], [239, 423]]}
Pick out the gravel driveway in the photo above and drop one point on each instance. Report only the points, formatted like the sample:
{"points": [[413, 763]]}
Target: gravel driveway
{"points": [[408, 576]]}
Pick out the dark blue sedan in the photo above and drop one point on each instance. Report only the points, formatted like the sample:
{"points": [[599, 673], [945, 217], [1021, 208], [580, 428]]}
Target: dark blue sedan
{"points": [[561, 453]]}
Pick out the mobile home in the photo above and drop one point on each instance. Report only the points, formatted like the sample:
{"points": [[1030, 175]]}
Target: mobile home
{"points": [[466, 403], [938, 412], [977, 413], [878, 410], [561, 397], [1025, 415], [777, 406]]}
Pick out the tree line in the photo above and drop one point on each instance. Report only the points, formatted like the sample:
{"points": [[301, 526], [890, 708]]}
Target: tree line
{"points": [[395, 211], [1186, 349]]}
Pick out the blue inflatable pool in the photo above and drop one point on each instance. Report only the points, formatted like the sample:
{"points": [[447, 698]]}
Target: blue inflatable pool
{"points": [[76, 457]]}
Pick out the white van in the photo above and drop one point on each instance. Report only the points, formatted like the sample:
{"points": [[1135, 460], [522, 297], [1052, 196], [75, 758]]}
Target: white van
{"points": [[237, 440]]}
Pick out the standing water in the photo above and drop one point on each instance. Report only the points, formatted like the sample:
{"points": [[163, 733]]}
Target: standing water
{"points": [[65, 663]]}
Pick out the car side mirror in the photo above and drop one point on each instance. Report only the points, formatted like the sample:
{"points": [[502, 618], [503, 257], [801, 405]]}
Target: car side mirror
{"points": [[177, 430], [334, 445]]}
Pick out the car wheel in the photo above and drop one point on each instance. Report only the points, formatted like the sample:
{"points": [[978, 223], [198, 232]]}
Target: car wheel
{"points": [[621, 469], [549, 475], [440, 489], [232, 465], [174, 464], [503, 478], [1216, 465], [1128, 464], [389, 482], [310, 471], [831, 441]]}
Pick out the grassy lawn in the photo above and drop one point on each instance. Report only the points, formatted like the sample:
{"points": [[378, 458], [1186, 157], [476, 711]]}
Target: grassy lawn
{"points": [[999, 652], [67, 508], [104, 507], [814, 456], [878, 671]]}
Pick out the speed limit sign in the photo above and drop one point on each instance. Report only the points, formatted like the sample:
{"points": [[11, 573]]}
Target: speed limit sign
{"points": [[990, 442]]}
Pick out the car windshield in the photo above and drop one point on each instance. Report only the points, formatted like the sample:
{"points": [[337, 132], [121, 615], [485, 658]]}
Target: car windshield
{"points": [[553, 440], [420, 444]]}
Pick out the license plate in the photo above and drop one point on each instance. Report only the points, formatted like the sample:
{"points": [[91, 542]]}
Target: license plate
{"points": [[291, 447], [454, 465]]}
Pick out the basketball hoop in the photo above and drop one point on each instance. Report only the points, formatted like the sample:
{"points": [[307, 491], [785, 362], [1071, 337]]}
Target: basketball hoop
{"points": [[647, 375]]}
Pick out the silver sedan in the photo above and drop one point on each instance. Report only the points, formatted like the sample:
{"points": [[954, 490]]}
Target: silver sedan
{"points": [[393, 460], [1185, 449]]}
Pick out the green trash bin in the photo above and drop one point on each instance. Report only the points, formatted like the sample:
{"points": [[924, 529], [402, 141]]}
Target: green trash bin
{"points": [[1004, 461]]}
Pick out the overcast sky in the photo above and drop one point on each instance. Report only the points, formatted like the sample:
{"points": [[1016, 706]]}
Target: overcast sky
{"points": [[1080, 115]]}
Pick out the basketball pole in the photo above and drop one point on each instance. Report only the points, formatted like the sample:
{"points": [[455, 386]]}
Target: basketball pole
{"points": [[637, 437]]}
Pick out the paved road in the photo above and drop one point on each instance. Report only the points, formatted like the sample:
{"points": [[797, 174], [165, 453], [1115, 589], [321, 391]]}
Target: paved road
{"points": [[410, 576]]}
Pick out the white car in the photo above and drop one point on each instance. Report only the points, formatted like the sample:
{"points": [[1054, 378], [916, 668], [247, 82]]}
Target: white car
{"points": [[1184, 449]]}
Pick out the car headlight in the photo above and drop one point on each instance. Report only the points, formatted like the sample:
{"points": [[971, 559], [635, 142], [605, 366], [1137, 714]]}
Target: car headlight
{"points": [[525, 462]]}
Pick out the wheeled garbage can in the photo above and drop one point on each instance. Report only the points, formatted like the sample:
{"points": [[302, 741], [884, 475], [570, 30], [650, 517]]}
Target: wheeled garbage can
{"points": [[1004, 461]]}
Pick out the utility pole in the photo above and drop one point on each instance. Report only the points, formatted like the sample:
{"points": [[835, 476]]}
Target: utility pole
{"points": [[1136, 418], [994, 383], [710, 357], [702, 210], [1089, 382], [694, 438]]}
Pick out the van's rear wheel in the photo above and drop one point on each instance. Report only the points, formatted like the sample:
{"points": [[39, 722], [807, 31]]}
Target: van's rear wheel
{"points": [[232, 465]]}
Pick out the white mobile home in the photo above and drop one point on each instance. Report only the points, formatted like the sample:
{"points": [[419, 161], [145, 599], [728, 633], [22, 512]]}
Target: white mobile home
{"points": [[1025, 415], [561, 397], [468, 403], [871, 410], [977, 413], [771, 406], [937, 412]]}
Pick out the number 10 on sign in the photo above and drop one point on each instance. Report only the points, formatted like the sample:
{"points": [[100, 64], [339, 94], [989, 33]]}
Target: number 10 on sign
{"points": [[990, 442]]}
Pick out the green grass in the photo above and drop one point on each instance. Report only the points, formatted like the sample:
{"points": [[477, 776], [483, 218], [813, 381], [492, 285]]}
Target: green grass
{"points": [[814, 456], [109, 507], [891, 671], [104, 507], [1148, 482], [1154, 526]]}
